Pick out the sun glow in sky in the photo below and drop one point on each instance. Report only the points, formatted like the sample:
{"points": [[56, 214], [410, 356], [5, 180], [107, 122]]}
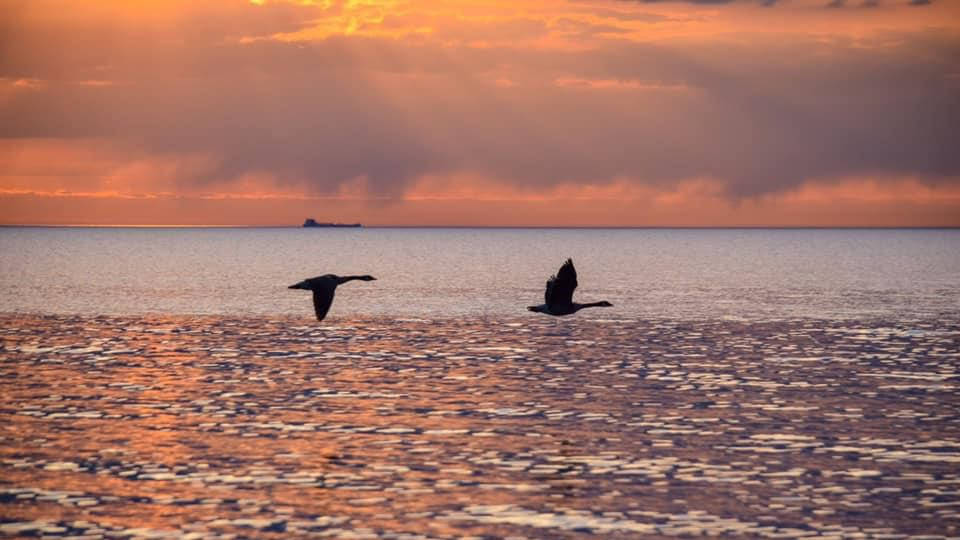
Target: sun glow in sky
{"points": [[569, 113]]}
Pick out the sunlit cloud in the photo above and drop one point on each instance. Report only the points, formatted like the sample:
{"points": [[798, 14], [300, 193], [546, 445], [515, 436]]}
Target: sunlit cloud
{"points": [[694, 203], [617, 84], [398, 102]]}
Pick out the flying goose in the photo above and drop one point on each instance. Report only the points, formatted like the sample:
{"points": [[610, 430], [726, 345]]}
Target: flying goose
{"points": [[323, 288], [559, 294]]}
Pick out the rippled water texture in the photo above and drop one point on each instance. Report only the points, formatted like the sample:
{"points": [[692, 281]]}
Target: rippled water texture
{"points": [[207, 427], [745, 274], [165, 383]]}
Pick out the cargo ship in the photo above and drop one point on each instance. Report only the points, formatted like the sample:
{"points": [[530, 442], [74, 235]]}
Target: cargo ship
{"points": [[310, 222]]}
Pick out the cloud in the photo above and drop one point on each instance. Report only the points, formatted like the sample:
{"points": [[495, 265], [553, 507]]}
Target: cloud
{"points": [[852, 203], [874, 3], [222, 89], [769, 3], [766, 3], [708, 2]]}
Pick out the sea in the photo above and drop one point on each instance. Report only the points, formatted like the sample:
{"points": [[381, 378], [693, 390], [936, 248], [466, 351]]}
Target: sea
{"points": [[737, 274], [747, 383]]}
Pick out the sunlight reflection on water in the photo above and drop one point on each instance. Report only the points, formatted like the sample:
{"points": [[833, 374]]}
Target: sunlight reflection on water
{"points": [[177, 426], [483, 272]]}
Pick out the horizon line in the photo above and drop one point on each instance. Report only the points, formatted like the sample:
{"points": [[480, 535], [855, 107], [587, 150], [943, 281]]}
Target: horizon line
{"points": [[691, 227]]}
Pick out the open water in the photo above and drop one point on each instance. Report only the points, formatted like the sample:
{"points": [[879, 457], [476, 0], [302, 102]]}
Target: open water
{"points": [[749, 274], [165, 383]]}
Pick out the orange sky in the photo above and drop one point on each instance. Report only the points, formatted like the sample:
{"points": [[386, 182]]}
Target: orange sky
{"points": [[473, 113]]}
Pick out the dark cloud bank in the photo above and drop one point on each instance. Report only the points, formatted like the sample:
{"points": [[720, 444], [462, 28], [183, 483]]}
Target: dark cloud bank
{"points": [[830, 3], [763, 117]]}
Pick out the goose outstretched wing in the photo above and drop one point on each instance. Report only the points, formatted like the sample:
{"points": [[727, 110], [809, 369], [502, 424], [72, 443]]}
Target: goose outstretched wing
{"points": [[323, 288], [560, 287], [322, 299]]}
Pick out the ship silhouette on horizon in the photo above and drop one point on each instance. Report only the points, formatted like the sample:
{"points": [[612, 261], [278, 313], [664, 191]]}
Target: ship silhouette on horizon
{"points": [[310, 222]]}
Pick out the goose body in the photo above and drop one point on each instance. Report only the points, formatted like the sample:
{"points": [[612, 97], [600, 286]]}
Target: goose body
{"points": [[323, 288], [558, 298]]}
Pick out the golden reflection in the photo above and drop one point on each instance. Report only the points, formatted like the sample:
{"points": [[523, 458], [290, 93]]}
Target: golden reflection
{"points": [[207, 425]]}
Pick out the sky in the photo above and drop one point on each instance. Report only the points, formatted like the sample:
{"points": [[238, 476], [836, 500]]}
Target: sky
{"points": [[480, 113]]}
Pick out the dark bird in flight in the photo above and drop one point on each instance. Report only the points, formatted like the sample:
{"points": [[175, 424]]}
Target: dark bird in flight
{"points": [[559, 294], [323, 288]]}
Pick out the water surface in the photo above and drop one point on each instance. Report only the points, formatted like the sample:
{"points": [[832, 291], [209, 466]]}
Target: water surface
{"points": [[221, 427], [672, 273]]}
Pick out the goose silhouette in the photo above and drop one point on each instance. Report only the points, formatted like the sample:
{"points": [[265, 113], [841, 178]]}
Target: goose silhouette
{"points": [[559, 294], [323, 288]]}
